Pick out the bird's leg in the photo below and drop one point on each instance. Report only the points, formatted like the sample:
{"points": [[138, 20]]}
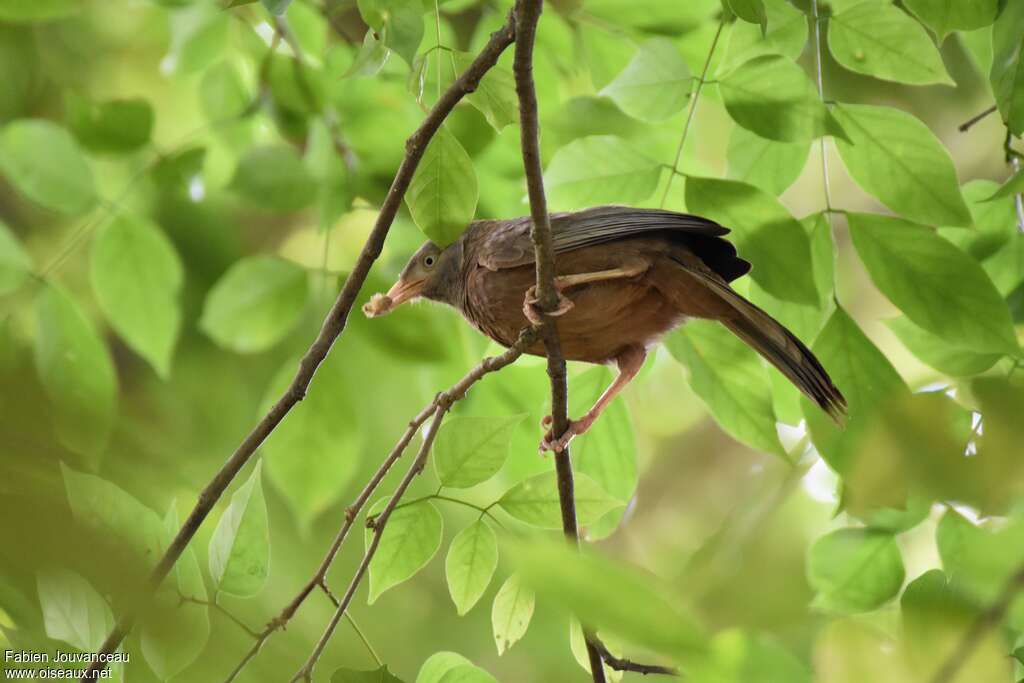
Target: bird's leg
{"points": [[629, 361], [530, 310]]}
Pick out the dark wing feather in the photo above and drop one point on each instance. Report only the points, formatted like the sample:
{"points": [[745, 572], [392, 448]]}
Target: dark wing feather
{"points": [[509, 242]]}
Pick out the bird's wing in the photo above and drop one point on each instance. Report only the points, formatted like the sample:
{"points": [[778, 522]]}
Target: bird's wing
{"points": [[509, 244]]}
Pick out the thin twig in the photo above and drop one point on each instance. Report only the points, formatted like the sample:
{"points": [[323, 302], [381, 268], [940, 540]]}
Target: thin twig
{"points": [[333, 326], [219, 608], [694, 98], [527, 15], [967, 125], [620, 664], [821, 95], [986, 621], [318, 580], [441, 404]]}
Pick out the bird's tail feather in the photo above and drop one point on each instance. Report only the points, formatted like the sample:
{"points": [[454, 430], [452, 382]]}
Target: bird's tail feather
{"points": [[778, 346]]}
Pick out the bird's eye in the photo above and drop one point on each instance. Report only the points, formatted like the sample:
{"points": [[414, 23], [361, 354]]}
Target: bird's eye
{"points": [[428, 261]]}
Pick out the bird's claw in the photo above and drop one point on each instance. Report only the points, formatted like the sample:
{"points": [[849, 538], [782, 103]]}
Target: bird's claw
{"points": [[550, 443], [533, 312]]}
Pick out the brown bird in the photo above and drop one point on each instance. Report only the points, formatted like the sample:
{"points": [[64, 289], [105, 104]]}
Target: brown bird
{"points": [[626, 277]]}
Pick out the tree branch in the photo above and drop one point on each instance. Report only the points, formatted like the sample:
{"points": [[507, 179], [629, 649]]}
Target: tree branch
{"points": [[986, 621], [437, 408], [527, 15], [333, 326], [620, 664]]}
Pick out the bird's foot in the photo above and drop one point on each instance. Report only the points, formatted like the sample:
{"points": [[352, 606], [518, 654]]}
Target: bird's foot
{"points": [[533, 312], [576, 427]]}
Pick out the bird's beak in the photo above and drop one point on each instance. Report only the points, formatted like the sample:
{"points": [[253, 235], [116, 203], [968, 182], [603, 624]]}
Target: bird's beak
{"points": [[400, 292]]}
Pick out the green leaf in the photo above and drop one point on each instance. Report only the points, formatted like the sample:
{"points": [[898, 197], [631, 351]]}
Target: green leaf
{"points": [[995, 221], [978, 560], [938, 353], [578, 647], [864, 375], [106, 511], [76, 371], [33, 11], [15, 263], [764, 232], [655, 85], [467, 673], [731, 381], [381, 675], [854, 570], [400, 22], [240, 545], [934, 615], [945, 16], [199, 33], [511, 613], [936, 285], [175, 631], [472, 559], [772, 97], [44, 163], [410, 539], [876, 39], [895, 158], [137, 276], [599, 169], [641, 609], [999, 470], [751, 11], [786, 36], [535, 501], [443, 193], [495, 96], [255, 304], [767, 164], [276, 7], [72, 609], [739, 657], [471, 450], [222, 94], [1007, 75], [315, 452], [117, 126], [1013, 186], [438, 664], [274, 178], [370, 59]]}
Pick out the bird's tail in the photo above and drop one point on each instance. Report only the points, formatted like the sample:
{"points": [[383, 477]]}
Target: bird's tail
{"points": [[779, 346]]}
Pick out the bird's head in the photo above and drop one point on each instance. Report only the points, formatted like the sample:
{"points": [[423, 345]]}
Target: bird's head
{"points": [[432, 273]]}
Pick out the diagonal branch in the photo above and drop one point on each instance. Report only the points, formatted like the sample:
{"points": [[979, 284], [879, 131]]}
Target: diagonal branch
{"points": [[333, 326], [985, 622], [620, 664], [527, 14], [437, 408]]}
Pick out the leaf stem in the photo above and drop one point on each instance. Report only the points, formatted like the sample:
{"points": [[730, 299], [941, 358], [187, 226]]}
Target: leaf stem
{"points": [[694, 98]]}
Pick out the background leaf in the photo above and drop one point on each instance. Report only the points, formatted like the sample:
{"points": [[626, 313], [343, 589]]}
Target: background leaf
{"points": [[77, 374], [443, 194], [137, 275], [240, 547], [876, 39], [44, 162], [767, 164], [471, 450], [599, 169], [472, 559], [15, 264], [895, 158], [535, 501], [511, 613], [854, 570], [655, 85], [255, 304], [945, 16], [411, 538], [935, 284], [72, 609]]}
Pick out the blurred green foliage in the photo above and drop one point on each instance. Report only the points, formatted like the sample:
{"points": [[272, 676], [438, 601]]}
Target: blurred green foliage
{"points": [[185, 183]]}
